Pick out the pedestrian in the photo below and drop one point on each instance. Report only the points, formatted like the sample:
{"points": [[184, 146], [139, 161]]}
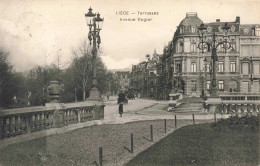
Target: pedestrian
{"points": [[107, 96], [121, 108]]}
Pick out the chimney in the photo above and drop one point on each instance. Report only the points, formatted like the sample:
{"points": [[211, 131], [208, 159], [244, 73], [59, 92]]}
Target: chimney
{"points": [[217, 20], [238, 19]]}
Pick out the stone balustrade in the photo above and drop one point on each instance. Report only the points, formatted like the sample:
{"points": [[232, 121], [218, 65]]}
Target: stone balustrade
{"points": [[228, 108], [20, 121], [239, 103]]}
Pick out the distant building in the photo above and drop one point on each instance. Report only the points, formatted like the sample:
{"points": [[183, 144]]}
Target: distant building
{"points": [[144, 77], [123, 79]]}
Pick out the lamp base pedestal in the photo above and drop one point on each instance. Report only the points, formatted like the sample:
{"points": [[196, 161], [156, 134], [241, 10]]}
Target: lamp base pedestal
{"points": [[213, 103], [94, 95]]}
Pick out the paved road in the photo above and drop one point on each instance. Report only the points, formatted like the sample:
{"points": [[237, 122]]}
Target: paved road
{"points": [[143, 109]]}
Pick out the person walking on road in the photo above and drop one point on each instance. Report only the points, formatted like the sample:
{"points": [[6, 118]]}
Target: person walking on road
{"points": [[121, 108], [121, 99]]}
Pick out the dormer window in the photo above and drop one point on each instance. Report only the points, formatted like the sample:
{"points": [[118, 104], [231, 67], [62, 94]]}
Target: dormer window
{"points": [[257, 31], [193, 29], [180, 30]]}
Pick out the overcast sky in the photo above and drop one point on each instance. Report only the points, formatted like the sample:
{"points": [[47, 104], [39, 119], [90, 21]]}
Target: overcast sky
{"points": [[36, 31]]}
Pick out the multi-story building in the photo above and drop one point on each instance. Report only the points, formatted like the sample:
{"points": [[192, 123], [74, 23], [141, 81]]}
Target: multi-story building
{"points": [[144, 77], [183, 67], [237, 68]]}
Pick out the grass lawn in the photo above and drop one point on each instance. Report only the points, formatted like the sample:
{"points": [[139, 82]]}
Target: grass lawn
{"points": [[80, 147], [201, 145]]}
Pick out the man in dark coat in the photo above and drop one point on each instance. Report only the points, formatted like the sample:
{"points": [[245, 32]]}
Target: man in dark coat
{"points": [[121, 99]]}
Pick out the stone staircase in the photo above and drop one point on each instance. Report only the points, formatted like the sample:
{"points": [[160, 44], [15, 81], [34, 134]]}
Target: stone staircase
{"points": [[190, 105]]}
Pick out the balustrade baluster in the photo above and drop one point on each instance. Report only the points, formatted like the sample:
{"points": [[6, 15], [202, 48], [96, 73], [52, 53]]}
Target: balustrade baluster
{"points": [[251, 108], [69, 116], [51, 119], [76, 114], [1, 129], [239, 109], [46, 120], [82, 115], [23, 124], [18, 124], [5, 126], [254, 108], [235, 108], [38, 121], [227, 106], [41, 119], [35, 122], [246, 108], [72, 116], [12, 126]]}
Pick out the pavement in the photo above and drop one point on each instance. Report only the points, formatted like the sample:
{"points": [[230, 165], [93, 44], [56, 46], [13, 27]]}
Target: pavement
{"points": [[144, 109]]}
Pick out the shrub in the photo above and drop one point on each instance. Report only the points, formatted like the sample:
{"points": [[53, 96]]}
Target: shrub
{"points": [[237, 123]]}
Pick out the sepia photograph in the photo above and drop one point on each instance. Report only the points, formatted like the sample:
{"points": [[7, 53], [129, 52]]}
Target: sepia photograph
{"points": [[129, 82]]}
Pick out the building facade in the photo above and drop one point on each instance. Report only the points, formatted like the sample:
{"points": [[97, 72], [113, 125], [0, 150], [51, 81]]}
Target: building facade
{"points": [[237, 68], [184, 67]]}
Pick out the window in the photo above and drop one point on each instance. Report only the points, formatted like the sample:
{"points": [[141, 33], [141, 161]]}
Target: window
{"points": [[178, 67], [193, 47], [208, 67], [181, 47], [193, 67], [255, 50], [193, 85], [221, 66], [256, 67], [245, 68], [221, 85], [245, 50], [208, 85], [232, 66], [233, 46], [176, 48], [180, 30], [257, 31], [193, 30]]}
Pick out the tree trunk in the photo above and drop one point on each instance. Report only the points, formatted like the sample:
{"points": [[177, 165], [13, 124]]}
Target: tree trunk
{"points": [[84, 91]]}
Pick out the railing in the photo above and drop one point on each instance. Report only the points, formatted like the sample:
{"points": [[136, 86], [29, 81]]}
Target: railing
{"points": [[238, 108], [15, 122]]}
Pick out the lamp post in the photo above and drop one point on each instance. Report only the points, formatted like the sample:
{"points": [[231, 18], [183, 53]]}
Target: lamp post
{"points": [[206, 69], [213, 44], [95, 25]]}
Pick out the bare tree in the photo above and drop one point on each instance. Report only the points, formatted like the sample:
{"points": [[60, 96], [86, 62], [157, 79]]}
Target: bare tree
{"points": [[82, 66]]}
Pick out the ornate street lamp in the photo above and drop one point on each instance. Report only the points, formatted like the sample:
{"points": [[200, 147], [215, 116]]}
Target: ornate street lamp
{"points": [[213, 44], [206, 69], [95, 25]]}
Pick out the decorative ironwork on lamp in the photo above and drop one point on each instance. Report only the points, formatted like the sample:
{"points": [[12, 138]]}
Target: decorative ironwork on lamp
{"points": [[213, 44], [95, 25]]}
